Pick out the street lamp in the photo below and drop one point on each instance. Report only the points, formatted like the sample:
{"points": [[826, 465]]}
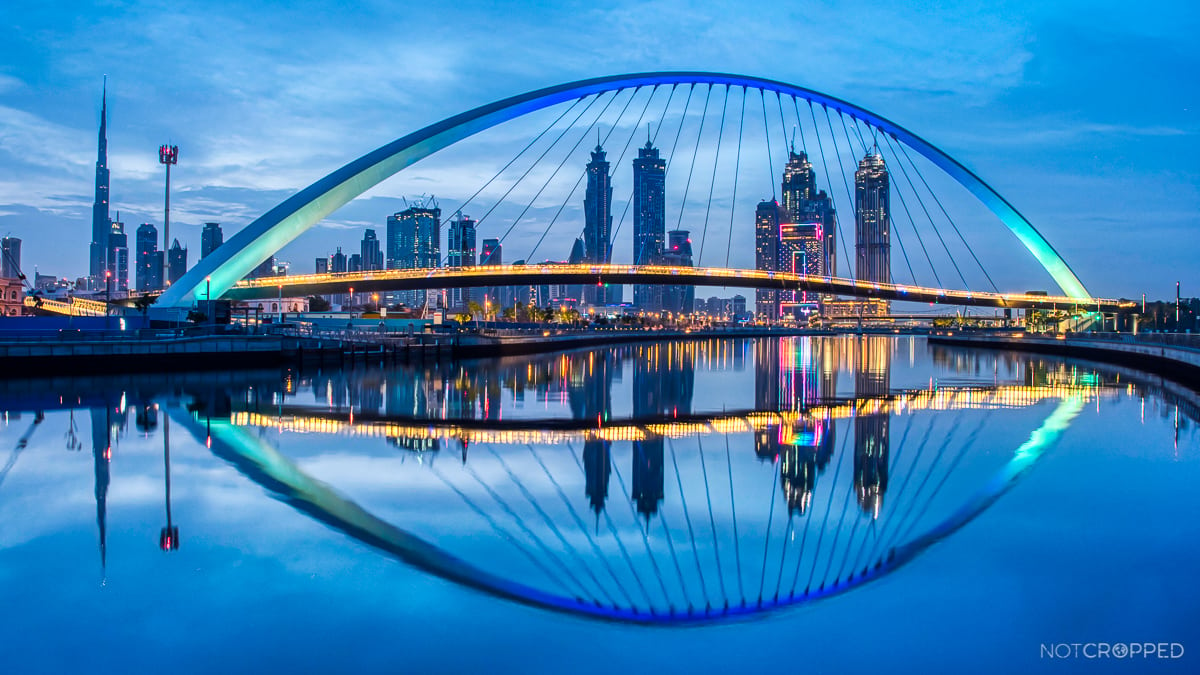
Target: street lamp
{"points": [[107, 296], [167, 155]]}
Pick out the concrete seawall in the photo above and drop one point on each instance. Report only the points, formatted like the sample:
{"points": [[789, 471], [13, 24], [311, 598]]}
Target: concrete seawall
{"points": [[1176, 362]]}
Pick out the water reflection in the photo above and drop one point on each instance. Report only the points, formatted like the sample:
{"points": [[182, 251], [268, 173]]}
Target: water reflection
{"points": [[651, 498]]}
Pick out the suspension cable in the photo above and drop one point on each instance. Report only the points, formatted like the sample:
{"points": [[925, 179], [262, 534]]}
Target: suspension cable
{"points": [[653, 138], [737, 165], [713, 184], [829, 182], [767, 133], [970, 250], [921, 201], [583, 528], [585, 134], [583, 174], [891, 221], [539, 159], [695, 151]]}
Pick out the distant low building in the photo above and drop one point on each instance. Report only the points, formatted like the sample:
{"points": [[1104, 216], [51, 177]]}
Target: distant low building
{"points": [[12, 297]]}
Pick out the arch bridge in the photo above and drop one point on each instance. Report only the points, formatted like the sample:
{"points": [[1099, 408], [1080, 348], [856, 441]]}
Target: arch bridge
{"points": [[220, 274]]}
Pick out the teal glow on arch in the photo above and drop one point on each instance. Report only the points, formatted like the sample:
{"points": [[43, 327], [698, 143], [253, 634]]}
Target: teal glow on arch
{"points": [[273, 230]]}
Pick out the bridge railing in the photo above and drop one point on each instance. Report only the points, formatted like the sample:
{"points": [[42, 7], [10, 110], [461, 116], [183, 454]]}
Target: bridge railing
{"points": [[1184, 340]]}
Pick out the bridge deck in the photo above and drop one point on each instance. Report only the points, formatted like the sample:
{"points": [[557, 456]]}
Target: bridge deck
{"points": [[587, 274]]}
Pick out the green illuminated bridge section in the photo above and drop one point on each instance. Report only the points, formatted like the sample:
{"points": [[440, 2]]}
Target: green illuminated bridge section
{"points": [[513, 275]]}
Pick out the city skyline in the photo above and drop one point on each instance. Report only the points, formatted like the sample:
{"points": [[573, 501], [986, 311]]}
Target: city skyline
{"points": [[1029, 152]]}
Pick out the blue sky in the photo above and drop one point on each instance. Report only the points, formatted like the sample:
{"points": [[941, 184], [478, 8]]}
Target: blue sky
{"points": [[1083, 115]]}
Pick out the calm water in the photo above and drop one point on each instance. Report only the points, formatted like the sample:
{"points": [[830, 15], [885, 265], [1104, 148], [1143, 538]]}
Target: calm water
{"points": [[830, 504]]}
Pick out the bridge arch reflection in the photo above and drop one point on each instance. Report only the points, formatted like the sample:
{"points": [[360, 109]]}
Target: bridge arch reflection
{"points": [[669, 516]]}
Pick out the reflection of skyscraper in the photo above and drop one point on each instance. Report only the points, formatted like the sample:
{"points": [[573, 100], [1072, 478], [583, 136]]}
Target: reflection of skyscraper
{"points": [[597, 466], [649, 219], [647, 484], [871, 431], [101, 456], [798, 474]]}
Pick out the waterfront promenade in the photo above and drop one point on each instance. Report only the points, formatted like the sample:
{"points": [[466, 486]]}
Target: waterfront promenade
{"points": [[1172, 355]]}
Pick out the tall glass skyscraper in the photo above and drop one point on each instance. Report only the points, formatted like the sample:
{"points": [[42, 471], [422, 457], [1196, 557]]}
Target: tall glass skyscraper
{"points": [[803, 203], [176, 261], [460, 252], [10, 258], [597, 228], [148, 264], [370, 251], [766, 255], [872, 240], [492, 253], [98, 252], [414, 242], [649, 220], [678, 253], [117, 256], [799, 184], [211, 238]]}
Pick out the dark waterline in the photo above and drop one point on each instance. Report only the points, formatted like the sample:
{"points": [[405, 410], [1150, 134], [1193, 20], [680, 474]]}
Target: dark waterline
{"points": [[515, 514]]}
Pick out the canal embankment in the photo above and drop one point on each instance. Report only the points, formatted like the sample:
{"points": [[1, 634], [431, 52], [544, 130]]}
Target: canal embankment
{"points": [[74, 352], [1175, 357]]}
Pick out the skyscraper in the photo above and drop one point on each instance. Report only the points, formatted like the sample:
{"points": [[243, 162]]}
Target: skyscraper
{"points": [[799, 184], [800, 252], [372, 254], [211, 238], [265, 268], [597, 227], [804, 203], [148, 264], [322, 266], [492, 253], [872, 242], [117, 256], [766, 255], [414, 242], [678, 253], [176, 262], [10, 258], [337, 261], [649, 220], [460, 252], [98, 252]]}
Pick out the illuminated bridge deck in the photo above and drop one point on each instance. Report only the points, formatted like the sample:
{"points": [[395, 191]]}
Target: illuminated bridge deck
{"points": [[587, 274]]}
